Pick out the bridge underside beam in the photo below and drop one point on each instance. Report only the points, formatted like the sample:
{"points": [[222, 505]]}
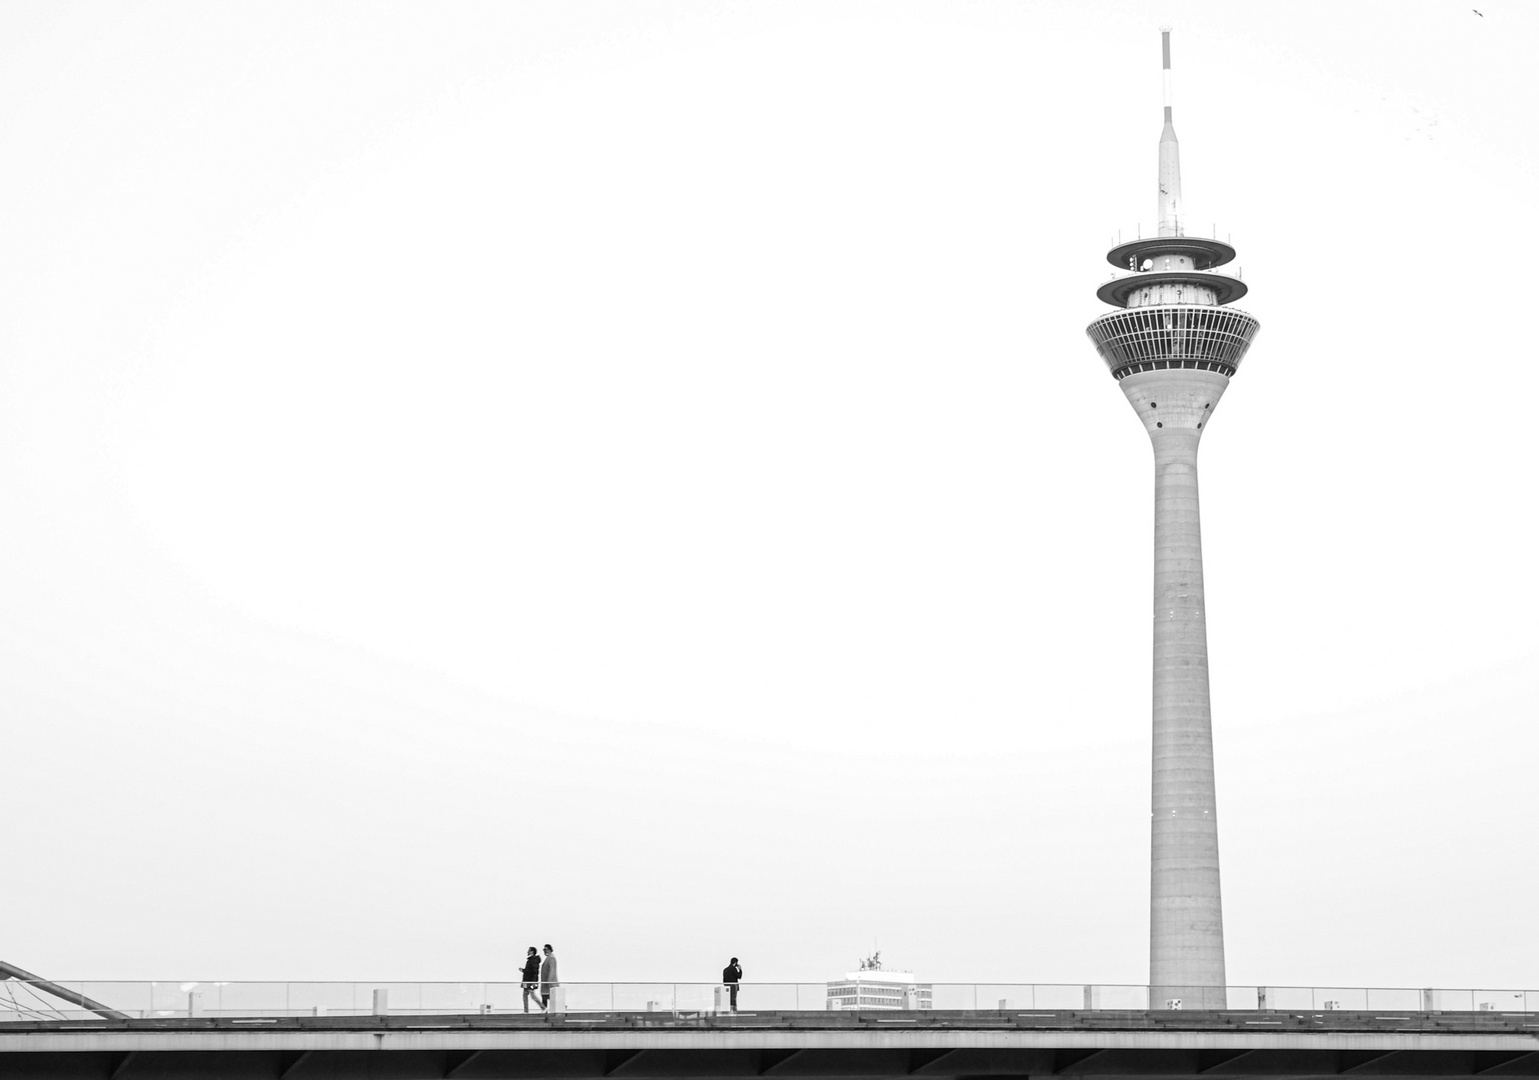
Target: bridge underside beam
{"points": [[729, 1064]]}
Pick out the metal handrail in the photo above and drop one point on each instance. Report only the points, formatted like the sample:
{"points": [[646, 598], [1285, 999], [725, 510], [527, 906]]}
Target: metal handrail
{"points": [[259, 1000], [1138, 232]]}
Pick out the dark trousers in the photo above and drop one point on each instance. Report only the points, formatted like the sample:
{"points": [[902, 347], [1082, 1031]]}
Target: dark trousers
{"points": [[732, 996]]}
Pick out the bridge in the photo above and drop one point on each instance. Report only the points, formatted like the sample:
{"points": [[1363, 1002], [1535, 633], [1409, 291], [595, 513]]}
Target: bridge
{"points": [[472, 1031]]}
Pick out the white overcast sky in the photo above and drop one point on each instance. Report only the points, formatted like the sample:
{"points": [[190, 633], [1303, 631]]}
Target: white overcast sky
{"points": [[632, 475]]}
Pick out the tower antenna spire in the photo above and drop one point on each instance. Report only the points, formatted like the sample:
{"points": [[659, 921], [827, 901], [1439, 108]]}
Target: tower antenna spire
{"points": [[1170, 154]]}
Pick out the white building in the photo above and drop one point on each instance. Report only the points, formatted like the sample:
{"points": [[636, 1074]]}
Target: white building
{"points": [[873, 988]]}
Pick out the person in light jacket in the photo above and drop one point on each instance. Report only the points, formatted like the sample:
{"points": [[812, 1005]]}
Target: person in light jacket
{"points": [[531, 978], [548, 980]]}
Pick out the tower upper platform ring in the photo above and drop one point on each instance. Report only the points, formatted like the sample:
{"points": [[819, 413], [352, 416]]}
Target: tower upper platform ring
{"points": [[1204, 253]]}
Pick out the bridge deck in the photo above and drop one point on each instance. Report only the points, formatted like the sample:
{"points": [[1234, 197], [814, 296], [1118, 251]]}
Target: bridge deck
{"points": [[845, 1020]]}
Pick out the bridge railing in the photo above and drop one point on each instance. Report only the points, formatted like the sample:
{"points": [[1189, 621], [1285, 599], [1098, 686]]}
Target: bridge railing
{"points": [[24, 1001]]}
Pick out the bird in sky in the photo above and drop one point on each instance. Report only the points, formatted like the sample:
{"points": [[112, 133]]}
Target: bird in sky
{"points": [[1477, 11]]}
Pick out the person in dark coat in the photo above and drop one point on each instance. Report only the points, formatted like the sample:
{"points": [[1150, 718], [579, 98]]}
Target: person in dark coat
{"points": [[531, 978], [731, 975]]}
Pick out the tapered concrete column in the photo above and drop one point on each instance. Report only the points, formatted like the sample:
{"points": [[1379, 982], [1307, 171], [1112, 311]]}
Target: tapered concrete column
{"points": [[1186, 928]]}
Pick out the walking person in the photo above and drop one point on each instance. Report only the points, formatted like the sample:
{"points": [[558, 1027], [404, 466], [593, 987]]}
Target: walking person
{"points": [[548, 980], [531, 978], [731, 975]]}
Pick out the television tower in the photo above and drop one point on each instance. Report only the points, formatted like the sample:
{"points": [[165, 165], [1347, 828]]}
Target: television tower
{"points": [[1173, 346]]}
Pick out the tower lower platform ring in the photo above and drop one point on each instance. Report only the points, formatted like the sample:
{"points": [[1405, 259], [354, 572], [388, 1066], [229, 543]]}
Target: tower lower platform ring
{"points": [[1173, 335], [1224, 287]]}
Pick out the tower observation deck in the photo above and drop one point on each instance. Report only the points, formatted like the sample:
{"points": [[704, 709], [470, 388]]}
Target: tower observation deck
{"points": [[1173, 345]]}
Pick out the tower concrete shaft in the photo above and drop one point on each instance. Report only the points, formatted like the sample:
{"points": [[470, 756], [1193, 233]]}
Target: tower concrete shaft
{"points": [[1173, 347], [1186, 921]]}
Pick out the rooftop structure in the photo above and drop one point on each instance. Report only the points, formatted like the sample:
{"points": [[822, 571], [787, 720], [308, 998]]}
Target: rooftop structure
{"points": [[1173, 345], [873, 987]]}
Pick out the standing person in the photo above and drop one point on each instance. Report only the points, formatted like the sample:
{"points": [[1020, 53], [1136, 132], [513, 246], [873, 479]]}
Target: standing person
{"points": [[548, 979], [731, 975], [531, 978]]}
